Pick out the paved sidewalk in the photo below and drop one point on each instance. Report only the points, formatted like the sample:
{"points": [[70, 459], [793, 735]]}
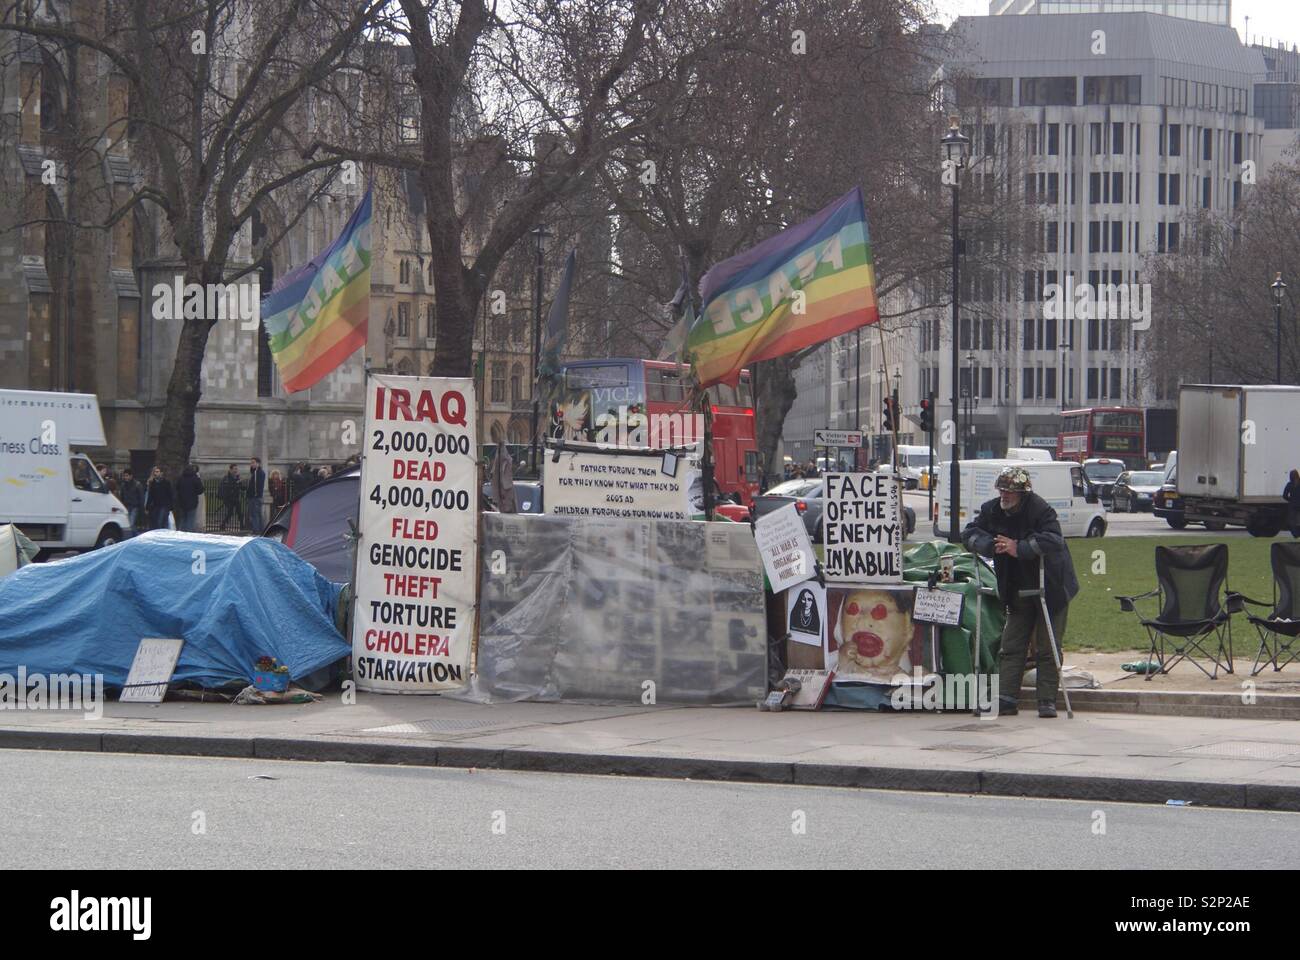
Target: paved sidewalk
{"points": [[1102, 756]]}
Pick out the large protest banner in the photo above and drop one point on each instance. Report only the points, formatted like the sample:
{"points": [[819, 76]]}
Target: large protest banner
{"points": [[417, 566], [587, 481], [862, 530]]}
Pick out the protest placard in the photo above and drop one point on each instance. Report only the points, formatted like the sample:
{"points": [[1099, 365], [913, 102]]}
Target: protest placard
{"points": [[862, 531]]}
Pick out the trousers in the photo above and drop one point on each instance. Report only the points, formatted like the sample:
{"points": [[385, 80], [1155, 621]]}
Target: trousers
{"points": [[1025, 620]]}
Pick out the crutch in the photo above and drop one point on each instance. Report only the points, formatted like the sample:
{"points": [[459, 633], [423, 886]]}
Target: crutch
{"points": [[1041, 593]]}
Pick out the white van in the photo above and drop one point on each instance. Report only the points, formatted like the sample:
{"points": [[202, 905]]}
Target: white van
{"points": [[1037, 454], [1059, 482], [56, 497], [913, 461]]}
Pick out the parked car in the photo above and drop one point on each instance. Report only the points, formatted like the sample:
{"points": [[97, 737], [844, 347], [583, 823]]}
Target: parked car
{"points": [[1135, 490], [1101, 474], [806, 495]]}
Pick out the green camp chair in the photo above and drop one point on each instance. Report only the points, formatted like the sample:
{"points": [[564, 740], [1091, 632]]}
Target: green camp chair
{"points": [[1192, 618], [1284, 620]]}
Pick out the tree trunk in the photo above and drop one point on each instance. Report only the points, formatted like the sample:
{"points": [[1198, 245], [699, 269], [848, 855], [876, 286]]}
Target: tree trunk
{"points": [[184, 388], [773, 400]]}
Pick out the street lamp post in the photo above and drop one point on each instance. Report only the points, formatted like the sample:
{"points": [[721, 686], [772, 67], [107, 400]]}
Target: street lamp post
{"points": [[540, 233], [972, 401], [956, 151], [1279, 290]]}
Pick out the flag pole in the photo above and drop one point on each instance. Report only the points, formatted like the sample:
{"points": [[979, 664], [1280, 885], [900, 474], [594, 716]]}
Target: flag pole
{"points": [[707, 466]]}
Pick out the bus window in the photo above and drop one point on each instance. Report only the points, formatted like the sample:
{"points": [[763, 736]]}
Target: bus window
{"points": [[752, 473], [746, 391], [596, 375], [721, 395], [664, 386], [1111, 420]]}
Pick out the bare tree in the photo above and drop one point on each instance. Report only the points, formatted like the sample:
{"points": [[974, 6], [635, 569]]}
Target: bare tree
{"points": [[213, 86]]}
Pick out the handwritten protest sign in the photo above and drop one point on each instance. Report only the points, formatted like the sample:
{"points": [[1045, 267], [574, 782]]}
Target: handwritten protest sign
{"points": [[785, 547], [862, 532]]}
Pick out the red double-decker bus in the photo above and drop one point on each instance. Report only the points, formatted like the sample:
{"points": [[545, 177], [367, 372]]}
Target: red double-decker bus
{"points": [[1115, 433], [643, 403]]}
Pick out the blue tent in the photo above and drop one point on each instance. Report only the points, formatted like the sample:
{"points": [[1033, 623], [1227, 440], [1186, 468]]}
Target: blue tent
{"points": [[231, 601]]}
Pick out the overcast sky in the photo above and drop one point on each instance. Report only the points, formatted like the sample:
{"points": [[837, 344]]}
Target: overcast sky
{"points": [[1269, 19]]}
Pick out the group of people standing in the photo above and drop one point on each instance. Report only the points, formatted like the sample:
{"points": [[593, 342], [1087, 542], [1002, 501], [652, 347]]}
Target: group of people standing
{"points": [[241, 499]]}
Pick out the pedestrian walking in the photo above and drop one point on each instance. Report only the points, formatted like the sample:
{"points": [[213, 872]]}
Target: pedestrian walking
{"points": [[1291, 494], [188, 490], [158, 499], [279, 492], [228, 494], [255, 490], [1019, 530], [132, 496]]}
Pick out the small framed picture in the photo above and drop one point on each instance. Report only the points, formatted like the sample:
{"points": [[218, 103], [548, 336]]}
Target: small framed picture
{"points": [[669, 467]]}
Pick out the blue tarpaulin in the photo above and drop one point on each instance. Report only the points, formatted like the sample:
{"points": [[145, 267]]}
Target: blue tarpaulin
{"points": [[231, 601]]}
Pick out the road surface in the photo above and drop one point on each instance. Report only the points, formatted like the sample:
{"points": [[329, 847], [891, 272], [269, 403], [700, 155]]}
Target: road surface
{"points": [[78, 810]]}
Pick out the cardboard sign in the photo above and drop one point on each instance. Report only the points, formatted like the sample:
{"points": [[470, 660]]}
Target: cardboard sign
{"points": [[151, 670], [786, 548], [862, 529], [813, 686], [417, 566], [806, 613], [591, 482], [937, 606]]}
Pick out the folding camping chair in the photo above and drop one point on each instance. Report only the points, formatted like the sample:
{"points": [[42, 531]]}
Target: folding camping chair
{"points": [[1284, 620], [1189, 582]]}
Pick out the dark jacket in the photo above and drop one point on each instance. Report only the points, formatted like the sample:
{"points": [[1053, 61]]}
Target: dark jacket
{"points": [[1037, 533], [256, 484], [228, 490], [1291, 493], [159, 494], [188, 490], [131, 494]]}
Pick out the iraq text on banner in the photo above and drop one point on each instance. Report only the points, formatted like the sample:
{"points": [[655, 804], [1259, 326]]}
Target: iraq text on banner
{"points": [[316, 316], [807, 284]]}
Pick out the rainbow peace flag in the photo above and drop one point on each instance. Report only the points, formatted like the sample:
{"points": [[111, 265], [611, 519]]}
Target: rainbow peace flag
{"points": [[316, 316], [751, 308]]}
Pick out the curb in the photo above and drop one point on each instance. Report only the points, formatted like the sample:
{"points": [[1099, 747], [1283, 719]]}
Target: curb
{"points": [[1176, 703], [1264, 796]]}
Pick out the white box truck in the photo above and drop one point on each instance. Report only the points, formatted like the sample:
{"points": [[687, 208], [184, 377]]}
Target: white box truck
{"points": [[54, 495], [1236, 447], [1059, 482]]}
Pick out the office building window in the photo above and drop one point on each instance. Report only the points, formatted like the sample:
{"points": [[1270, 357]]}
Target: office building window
{"points": [[1053, 139], [1092, 383], [1205, 144], [1112, 89], [1048, 92], [1175, 140], [1095, 145], [1173, 238], [1027, 383], [1205, 193], [1053, 237], [1175, 189], [1236, 148]]}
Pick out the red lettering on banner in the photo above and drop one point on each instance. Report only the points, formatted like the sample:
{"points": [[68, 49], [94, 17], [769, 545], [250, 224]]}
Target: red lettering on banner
{"points": [[418, 470], [411, 585], [405, 528], [415, 645]]}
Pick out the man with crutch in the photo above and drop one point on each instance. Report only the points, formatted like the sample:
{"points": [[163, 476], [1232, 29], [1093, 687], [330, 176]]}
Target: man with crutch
{"points": [[1018, 529]]}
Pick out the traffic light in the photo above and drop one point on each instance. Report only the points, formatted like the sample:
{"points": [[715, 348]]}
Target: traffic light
{"points": [[927, 416], [887, 416]]}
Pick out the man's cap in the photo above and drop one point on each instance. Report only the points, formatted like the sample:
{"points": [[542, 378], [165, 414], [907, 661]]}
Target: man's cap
{"points": [[1014, 479]]}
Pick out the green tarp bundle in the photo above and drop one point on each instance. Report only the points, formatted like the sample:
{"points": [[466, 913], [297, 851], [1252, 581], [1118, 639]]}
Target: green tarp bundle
{"points": [[969, 572]]}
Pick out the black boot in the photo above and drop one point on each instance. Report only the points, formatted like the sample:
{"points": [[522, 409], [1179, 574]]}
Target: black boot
{"points": [[1006, 707], [1047, 709]]}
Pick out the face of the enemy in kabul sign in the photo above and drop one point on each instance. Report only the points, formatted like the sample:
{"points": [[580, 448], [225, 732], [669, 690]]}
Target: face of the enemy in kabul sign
{"points": [[873, 633]]}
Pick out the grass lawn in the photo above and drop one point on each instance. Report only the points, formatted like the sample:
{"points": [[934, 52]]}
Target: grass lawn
{"points": [[1096, 622]]}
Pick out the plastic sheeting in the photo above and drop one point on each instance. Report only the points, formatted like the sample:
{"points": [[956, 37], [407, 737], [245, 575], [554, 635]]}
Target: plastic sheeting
{"points": [[580, 608], [968, 571], [231, 600]]}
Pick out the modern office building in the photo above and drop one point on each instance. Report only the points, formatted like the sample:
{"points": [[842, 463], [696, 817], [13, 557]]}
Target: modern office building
{"points": [[1205, 11], [1110, 153]]}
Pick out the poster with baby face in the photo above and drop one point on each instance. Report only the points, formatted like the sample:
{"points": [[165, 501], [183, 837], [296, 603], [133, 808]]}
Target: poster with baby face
{"points": [[870, 635]]}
